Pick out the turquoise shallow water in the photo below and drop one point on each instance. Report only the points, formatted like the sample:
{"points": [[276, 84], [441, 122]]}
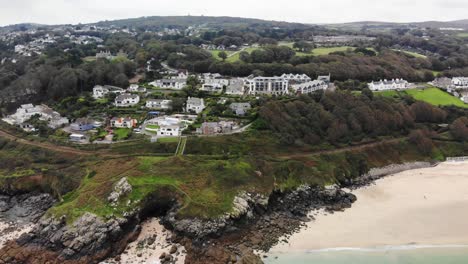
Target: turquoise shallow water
{"points": [[429, 255]]}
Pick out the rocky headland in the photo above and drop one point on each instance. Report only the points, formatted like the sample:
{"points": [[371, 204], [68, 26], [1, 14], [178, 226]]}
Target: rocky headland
{"points": [[255, 224]]}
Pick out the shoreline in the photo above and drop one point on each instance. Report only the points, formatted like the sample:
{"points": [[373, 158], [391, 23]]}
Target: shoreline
{"points": [[410, 209]]}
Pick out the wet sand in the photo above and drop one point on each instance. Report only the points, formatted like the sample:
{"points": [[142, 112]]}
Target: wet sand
{"points": [[418, 207]]}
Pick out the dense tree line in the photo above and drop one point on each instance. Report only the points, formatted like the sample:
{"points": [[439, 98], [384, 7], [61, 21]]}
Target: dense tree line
{"points": [[339, 117]]}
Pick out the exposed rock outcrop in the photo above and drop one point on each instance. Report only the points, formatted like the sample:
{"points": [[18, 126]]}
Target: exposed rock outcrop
{"points": [[244, 206], [377, 173], [19, 214], [121, 189]]}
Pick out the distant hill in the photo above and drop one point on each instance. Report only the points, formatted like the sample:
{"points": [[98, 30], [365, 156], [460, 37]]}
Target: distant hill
{"points": [[377, 25], [185, 21], [22, 26]]}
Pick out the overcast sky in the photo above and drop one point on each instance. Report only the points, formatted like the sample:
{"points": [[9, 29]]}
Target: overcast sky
{"points": [[306, 11]]}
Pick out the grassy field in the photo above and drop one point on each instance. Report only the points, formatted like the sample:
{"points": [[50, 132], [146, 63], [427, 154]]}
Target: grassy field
{"points": [[436, 96], [215, 53], [205, 185], [328, 50], [431, 95], [89, 59], [233, 56], [463, 35], [317, 51], [414, 54], [121, 133]]}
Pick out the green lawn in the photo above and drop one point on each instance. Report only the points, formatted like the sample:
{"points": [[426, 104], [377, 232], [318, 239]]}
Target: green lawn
{"points": [[215, 53], [436, 96], [327, 50], [234, 55], [430, 95], [391, 93], [121, 133], [317, 51]]}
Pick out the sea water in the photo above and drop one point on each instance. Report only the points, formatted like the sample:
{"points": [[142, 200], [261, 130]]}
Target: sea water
{"points": [[387, 255]]}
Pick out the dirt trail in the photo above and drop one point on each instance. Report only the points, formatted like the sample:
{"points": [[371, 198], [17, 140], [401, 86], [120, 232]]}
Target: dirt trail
{"points": [[338, 150], [45, 145], [70, 150]]}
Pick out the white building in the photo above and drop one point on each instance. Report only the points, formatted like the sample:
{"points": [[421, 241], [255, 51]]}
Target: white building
{"points": [[460, 82], [394, 84], [159, 104], [309, 87], [123, 122], [101, 91], [169, 131], [267, 86], [124, 100], [196, 105], [135, 88], [296, 78], [212, 87], [27, 111], [167, 126], [176, 84]]}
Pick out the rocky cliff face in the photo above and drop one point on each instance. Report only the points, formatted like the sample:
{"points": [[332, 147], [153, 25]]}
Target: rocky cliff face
{"points": [[244, 206], [90, 238]]}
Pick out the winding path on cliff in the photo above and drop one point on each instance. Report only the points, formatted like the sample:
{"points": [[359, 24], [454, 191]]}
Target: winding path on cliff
{"points": [[45, 145], [344, 149], [74, 151]]}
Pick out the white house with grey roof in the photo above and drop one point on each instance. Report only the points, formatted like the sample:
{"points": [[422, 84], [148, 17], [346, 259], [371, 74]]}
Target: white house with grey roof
{"points": [[196, 105], [309, 87], [162, 104], [125, 100], [460, 82], [101, 91], [394, 84], [176, 83]]}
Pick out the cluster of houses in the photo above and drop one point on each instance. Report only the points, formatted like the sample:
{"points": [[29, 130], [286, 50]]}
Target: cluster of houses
{"points": [[108, 55], [163, 125], [169, 126], [214, 128], [35, 46], [252, 85], [218, 47], [457, 86]]}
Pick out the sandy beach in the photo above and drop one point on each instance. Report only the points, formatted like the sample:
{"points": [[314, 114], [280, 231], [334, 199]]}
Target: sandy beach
{"points": [[418, 207], [144, 252]]}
